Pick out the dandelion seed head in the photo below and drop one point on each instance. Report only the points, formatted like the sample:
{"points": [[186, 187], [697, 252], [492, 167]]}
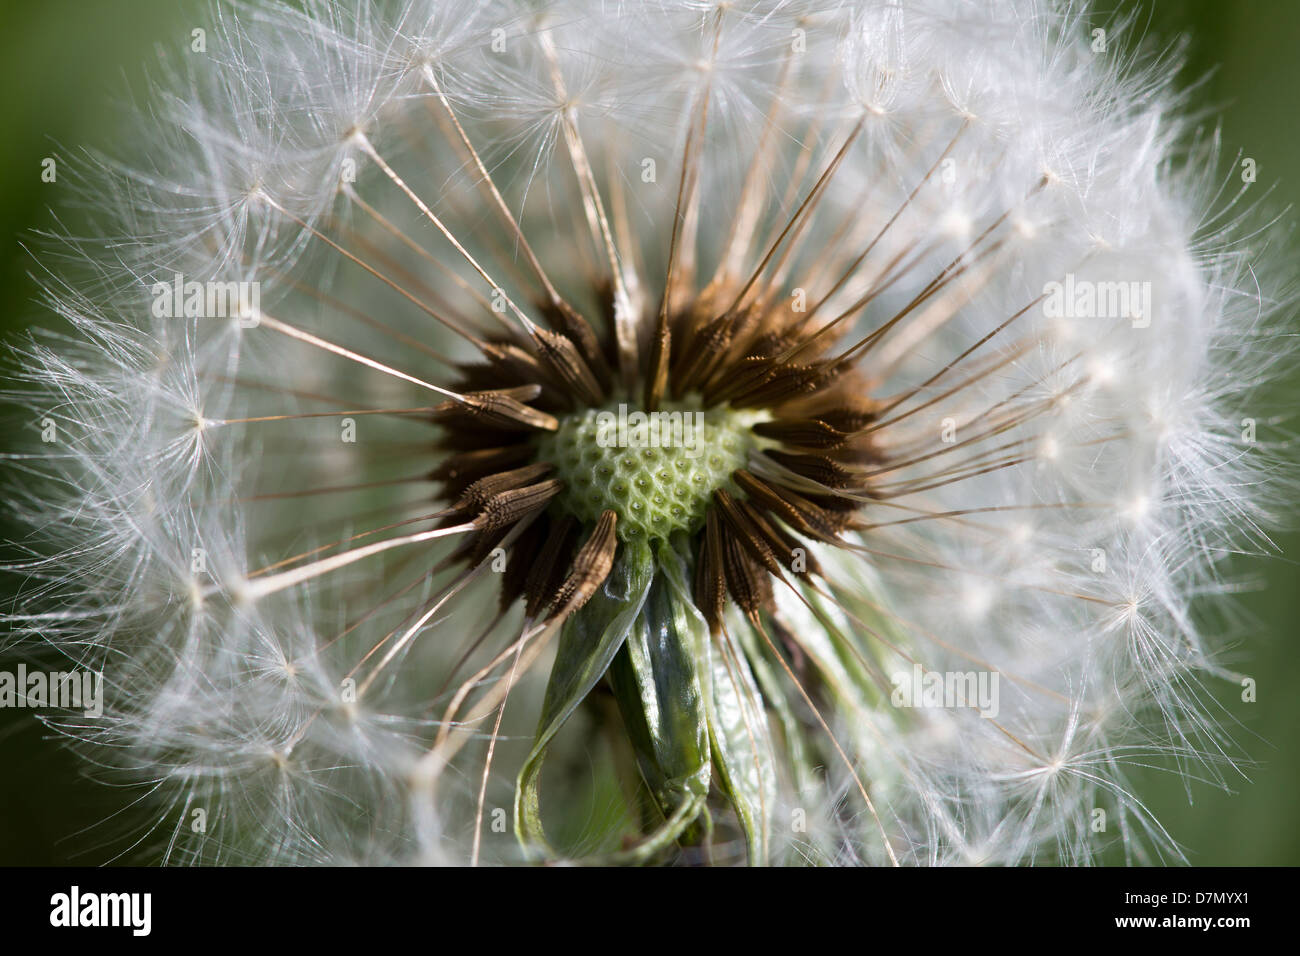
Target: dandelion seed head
{"points": [[969, 338]]}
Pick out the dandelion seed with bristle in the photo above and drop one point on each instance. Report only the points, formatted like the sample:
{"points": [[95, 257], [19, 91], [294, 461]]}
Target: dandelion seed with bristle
{"points": [[685, 431]]}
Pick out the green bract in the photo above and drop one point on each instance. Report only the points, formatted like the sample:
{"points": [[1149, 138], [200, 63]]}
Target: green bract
{"points": [[692, 711]]}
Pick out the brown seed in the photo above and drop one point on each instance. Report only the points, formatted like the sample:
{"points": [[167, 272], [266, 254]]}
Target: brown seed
{"points": [[847, 418], [509, 506], [818, 468], [507, 362], [591, 566], [747, 583], [709, 582], [783, 383], [499, 408], [792, 508], [461, 470], [572, 325], [749, 536], [561, 358], [698, 355], [546, 576], [524, 556], [784, 545], [806, 432], [480, 492], [656, 381]]}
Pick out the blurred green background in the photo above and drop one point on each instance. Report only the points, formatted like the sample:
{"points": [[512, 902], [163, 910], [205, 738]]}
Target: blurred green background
{"points": [[64, 65]]}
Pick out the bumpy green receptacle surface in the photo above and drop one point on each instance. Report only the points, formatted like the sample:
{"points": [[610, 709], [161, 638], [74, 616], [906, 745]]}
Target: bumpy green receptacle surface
{"points": [[653, 490]]}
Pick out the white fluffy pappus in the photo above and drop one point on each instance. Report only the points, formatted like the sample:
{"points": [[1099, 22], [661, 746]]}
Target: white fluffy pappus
{"points": [[1009, 233]]}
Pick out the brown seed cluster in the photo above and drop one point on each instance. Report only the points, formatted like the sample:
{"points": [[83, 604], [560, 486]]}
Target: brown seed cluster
{"points": [[805, 483]]}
